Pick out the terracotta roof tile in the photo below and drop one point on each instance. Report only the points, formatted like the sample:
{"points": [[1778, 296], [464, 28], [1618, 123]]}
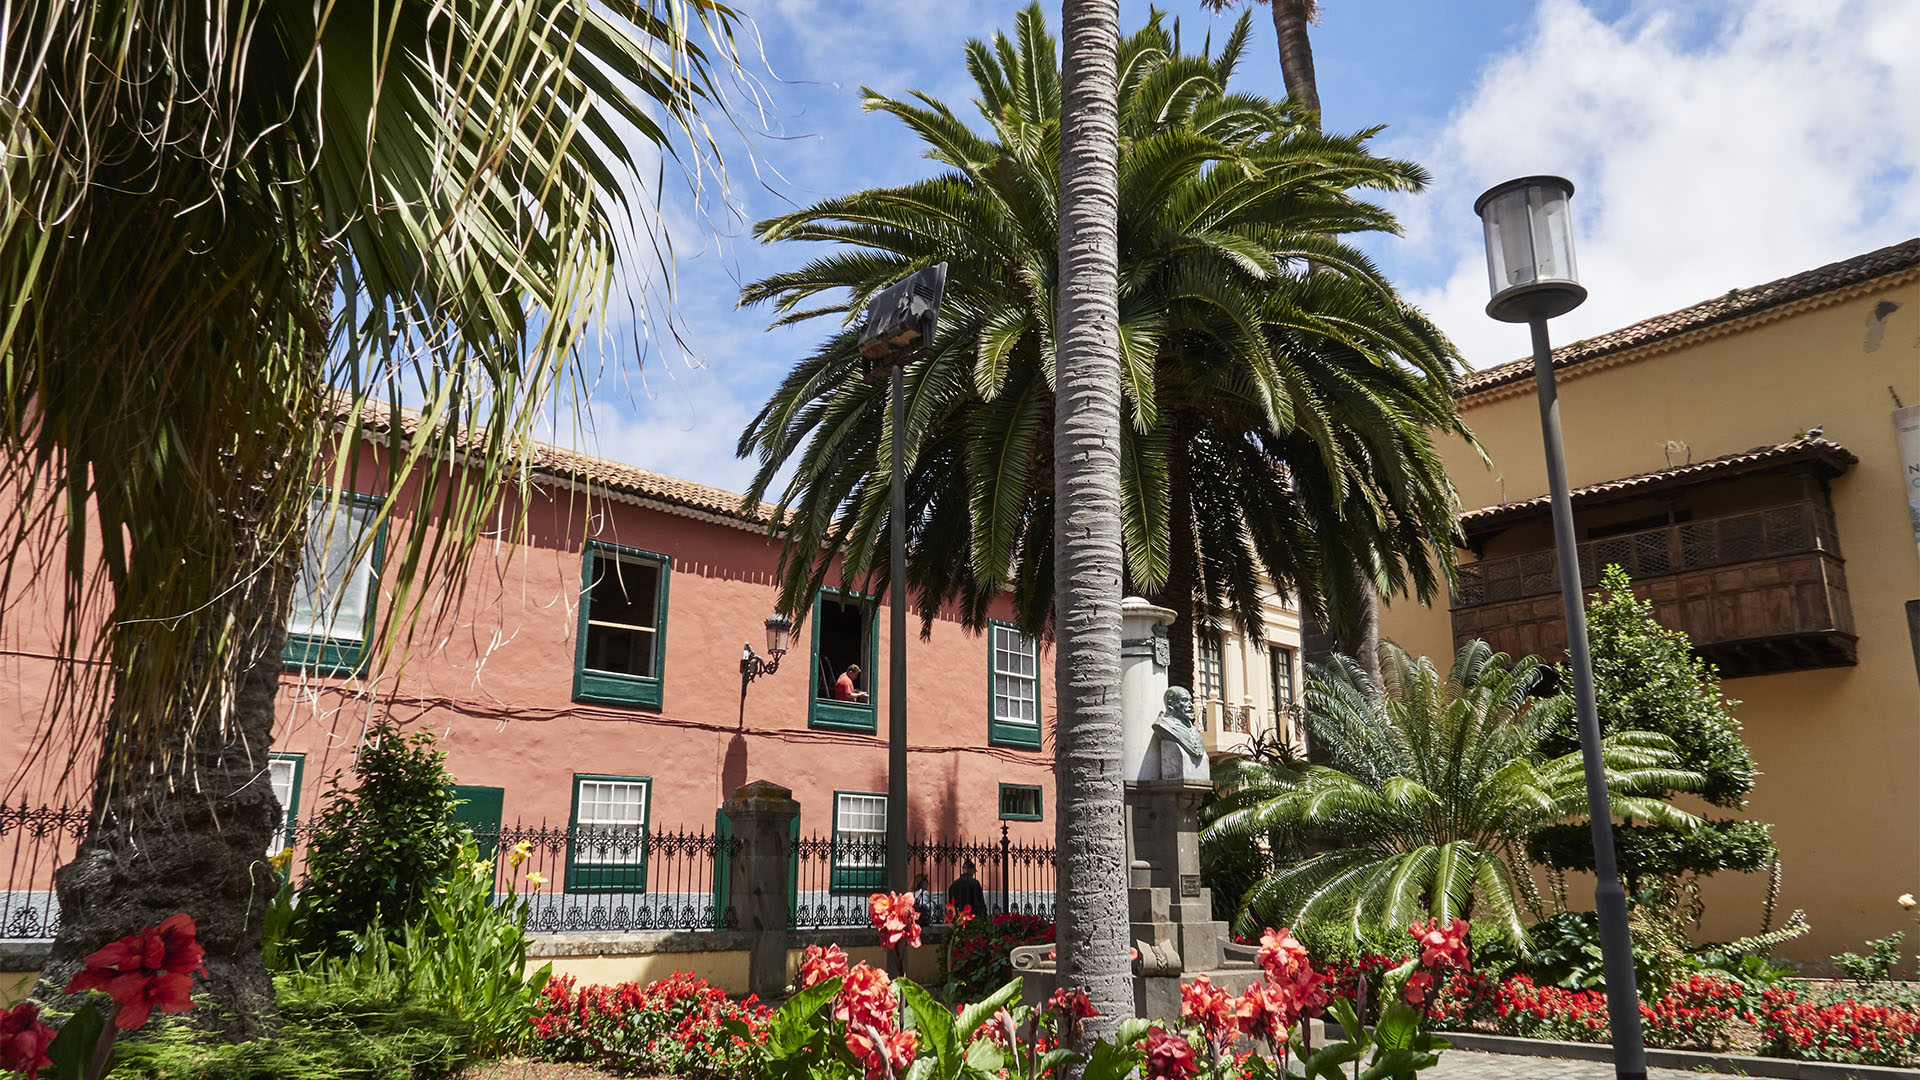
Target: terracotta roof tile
{"points": [[1733, 305], [1822, 454], [606, 474]]}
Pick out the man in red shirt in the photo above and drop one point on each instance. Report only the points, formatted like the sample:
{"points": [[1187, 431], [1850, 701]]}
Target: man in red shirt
{"points": [[846, 687]]}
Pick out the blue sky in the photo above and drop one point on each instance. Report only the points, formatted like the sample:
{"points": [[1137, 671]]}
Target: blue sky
{"points": [[1715, 144]]}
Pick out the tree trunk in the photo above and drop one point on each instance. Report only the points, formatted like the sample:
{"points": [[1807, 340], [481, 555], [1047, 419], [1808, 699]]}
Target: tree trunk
{"points": [[184, 826], [1290, 19], [1092, 939], [1360, 638]]}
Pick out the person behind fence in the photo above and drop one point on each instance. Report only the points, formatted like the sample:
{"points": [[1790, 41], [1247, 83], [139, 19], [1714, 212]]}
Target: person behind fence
{"points": [[923, 900], [847, 686], [965, 894]]}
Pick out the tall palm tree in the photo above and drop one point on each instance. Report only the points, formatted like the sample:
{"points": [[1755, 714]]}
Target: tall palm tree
{"points": [[1276, 421], [1093, 939], [1434, 788], [227, 228]]}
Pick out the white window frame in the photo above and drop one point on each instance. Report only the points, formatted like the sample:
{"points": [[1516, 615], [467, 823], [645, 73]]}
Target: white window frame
{"points": [[859, 847], [599, 855], [346, 528]]}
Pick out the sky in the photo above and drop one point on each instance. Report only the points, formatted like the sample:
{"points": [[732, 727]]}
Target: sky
{"points": [[1713, 145]]}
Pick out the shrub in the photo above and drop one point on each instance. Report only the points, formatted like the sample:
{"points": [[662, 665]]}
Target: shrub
{"points": [[380, 847], [1883, 955], [1844, 1031], [976, 959], [678, 1026]]}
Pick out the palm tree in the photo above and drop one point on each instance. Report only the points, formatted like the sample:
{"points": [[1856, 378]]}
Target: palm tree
{"points": [[1093, 938], [1277, 422], [228, 228], [1434, 788]]}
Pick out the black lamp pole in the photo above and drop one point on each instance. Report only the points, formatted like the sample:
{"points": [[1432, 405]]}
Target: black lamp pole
{"points": [[1530, 261], [899, 329]]}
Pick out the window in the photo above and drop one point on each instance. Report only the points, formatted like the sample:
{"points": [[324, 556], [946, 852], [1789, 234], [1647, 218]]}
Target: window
{"points": [[283, 772], [623, 625], [333, 594], [843, 646], [1282, 662], [859, 841], [1213, 685], [1020, 802], [607, 847], [1014, 673]]}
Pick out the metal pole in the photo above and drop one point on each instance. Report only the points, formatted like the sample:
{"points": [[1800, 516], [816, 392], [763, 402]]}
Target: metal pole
{"points": [[897, 651], [1609, 899]]}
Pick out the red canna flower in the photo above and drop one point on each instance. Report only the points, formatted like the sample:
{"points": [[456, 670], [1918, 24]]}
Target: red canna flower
{"points": [[151, 969], [894, 917], [818, 964], [1418, 984], [1209, 1006], [1169, 1056], [1263, 1014], [24, 1040], [866, 1000], [885, 1052], [1281, 955]]}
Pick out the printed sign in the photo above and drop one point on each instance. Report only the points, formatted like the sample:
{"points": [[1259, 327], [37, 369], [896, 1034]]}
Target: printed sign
{"points": [[1906, 428]]}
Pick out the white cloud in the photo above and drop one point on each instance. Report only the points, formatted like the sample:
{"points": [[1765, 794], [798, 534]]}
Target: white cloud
{"points": [[1710, 151]]}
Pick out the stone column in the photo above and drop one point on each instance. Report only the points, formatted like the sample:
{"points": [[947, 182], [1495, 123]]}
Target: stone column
{"points": [[762, 814]]}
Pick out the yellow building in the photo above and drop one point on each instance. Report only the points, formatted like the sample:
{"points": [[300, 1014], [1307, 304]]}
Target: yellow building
{"points": [[1739, 458]]}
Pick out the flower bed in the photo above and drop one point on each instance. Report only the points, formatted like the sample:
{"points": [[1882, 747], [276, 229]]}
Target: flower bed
{"points": [[1845, 1030], [677, 1026]]}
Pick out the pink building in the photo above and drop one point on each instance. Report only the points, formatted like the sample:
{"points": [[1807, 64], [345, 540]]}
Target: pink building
{"points": [[591, 675]]}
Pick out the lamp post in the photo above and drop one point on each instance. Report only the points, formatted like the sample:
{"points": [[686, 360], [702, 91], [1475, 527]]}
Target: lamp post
{"points": [[752, 666], [1529, 234], [898, 330]]}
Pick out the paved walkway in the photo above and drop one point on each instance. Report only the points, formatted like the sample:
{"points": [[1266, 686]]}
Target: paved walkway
{"points": [[1467, 1065]]}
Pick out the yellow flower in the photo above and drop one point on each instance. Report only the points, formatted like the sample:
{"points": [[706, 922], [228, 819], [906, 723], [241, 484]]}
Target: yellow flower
{"points": [[283, 861], [482, 868], [1907, 900], [519, 853], [536, 879]]}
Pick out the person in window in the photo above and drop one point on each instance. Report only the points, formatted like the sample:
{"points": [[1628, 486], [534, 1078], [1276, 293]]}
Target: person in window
{"points": [[847, 686], [965, 894]]}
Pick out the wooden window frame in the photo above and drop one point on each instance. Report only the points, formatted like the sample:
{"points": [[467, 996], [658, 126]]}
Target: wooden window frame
{"points": [[1011, 733], [595, 687]]}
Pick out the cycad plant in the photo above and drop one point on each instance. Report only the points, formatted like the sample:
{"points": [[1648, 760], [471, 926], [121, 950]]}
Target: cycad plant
{"points": [[227, 227], [1433, 790], [1277, 423]]}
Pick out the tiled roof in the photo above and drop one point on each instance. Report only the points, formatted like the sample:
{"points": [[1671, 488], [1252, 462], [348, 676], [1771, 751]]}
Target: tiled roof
{"points": [[607, 475], [1823, 455], [1733, 305]]}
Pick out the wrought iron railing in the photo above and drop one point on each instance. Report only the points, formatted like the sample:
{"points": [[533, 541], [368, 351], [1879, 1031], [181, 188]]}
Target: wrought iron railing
{"points": [[1789, 529], [833, 876]]}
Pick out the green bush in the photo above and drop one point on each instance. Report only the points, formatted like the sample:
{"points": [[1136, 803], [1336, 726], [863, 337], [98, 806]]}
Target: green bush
{"points": [[1883, 955], [380, 848]]}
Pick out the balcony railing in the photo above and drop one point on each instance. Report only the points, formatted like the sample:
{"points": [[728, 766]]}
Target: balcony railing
{"points": [[1757, 592], [1690, 545]]}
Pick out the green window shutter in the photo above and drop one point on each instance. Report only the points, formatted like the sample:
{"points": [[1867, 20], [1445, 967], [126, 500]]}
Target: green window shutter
{"points": [[601, 685], [607, 833], [722, 868], [479, 810], [1021, 802], [793, 871], [1013, 687]]}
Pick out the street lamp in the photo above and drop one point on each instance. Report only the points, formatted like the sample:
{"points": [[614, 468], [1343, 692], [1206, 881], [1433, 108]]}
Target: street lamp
{"points": [[752, 666], [1530, 267], [899, 330]]}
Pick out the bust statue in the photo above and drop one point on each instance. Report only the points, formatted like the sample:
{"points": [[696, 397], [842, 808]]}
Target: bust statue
{"points": [[1183, 754]]}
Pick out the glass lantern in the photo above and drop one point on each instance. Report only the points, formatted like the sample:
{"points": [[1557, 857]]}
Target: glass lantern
{"points": [[1530, 265], [779, 635]]}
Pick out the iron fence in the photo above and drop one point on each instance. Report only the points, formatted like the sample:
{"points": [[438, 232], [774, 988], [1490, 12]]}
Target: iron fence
{"points": [[832, 876], [35, 841]]}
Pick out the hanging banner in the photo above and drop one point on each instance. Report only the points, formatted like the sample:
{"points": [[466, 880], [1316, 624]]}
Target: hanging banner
{"points": [[1906, 428]]}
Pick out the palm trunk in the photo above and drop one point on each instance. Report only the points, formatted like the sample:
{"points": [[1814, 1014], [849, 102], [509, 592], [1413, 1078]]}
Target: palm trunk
{"points": [[184, 825], [1092, 939], [1290, 19], [1360, 638]]}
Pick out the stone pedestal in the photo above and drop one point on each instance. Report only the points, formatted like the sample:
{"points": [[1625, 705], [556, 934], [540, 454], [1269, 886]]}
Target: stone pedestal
{"points": [[762, 814]]}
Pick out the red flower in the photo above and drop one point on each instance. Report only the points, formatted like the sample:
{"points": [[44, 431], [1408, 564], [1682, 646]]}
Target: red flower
{"points": [[894, 917], [866, 1000], [153, 968], [1207, 1005], [1441, 947], [1169, 1056], [24, 1040], [818, 964], [883, 1051], [1262, 1013], [1072, 1003], [1418, 984], [1281, 955]]}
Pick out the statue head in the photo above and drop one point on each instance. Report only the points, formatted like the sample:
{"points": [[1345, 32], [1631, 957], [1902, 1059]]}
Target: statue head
{"points": [[1179, 703]]}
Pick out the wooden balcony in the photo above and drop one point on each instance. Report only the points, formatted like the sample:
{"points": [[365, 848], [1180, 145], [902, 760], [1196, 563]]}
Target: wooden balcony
{"points": [[1759, 592]]}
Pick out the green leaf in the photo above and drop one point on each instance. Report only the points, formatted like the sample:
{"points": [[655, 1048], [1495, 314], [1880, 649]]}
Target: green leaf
{"points": [[72, 1050], [982, 1011], [1398, 1065], [935, 1023]]}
